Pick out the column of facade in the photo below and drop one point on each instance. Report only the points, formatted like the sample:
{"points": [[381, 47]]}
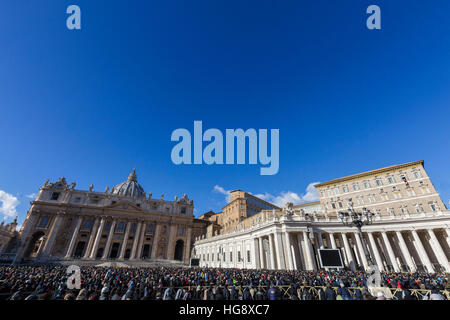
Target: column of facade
{"points": [[155, 240], [280, 251], [405, 251], [447, 232], [320, 240], [375, 251], [308, 250], [125, 240], [390, 252], [244, 253], [440, 254], [362, 254], [52, 235], [235, 254], [289, 261], [421, 250], [301, 255], [109, 240], [74, 237], [348, 252], [256, 258], [137, 233], [91, 239], [332, 240], [141, 241], [170, 245], [261, 253], [272, 252], [187, 254], [97, 239]]}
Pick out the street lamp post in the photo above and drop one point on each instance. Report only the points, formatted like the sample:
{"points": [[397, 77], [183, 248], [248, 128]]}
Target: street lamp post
{"points": [[351, 218]]}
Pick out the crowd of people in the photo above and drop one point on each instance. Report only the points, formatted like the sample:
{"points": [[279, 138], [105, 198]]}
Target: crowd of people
{"points": [[181, 283]]}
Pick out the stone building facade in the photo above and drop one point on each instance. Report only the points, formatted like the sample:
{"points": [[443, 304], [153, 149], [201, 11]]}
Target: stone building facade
{"points": [[8, 237], [121, 224], [410, 227], [242, 206]]}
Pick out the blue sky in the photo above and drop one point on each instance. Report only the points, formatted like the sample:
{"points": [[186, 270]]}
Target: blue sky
{"points": [[91, 105]]}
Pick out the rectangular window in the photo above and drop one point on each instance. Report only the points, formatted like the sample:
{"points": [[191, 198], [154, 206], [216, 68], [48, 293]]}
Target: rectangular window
{"points": [[390, 180], [44, 222], [87, 224], [121, 226], [417, 174], [183, 210], [248, 255], [150, 228], [379, 182], [239, 256], [345, 189], [367, 184], [231, 256], [355, 186]]}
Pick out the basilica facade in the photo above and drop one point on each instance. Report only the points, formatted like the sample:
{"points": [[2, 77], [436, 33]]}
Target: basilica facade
{"points": [[125, 223], [407, 229]]}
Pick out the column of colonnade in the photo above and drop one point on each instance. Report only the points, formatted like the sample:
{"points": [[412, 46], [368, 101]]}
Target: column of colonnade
{"points": [[137, 245], [389, 250]]}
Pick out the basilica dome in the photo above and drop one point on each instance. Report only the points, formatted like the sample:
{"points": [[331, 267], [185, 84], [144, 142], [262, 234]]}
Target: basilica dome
{"points": [[129, 188]]}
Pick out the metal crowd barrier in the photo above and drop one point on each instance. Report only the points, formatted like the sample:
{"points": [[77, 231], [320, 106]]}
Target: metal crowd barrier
{"points": [[315, 290], [284, 289]]}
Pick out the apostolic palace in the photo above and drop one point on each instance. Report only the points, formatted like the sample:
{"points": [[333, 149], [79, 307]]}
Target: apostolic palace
{"points": [[409, 226]]}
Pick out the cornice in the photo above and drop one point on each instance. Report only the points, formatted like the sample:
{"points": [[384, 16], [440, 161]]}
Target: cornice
{"points": [[369, 173]]}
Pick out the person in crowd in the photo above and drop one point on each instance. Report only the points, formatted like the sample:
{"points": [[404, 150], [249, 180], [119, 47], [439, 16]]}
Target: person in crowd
{"points": [[49, 282]]}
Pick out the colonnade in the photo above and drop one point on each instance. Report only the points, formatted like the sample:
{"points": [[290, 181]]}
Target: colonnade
{"points": [[409, 250], [398, 251]]}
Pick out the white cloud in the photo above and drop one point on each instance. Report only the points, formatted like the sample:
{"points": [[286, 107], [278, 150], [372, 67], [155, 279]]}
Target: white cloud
{"points": [[31, 195], [221, 190], [9, 204], [280, 200]]}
